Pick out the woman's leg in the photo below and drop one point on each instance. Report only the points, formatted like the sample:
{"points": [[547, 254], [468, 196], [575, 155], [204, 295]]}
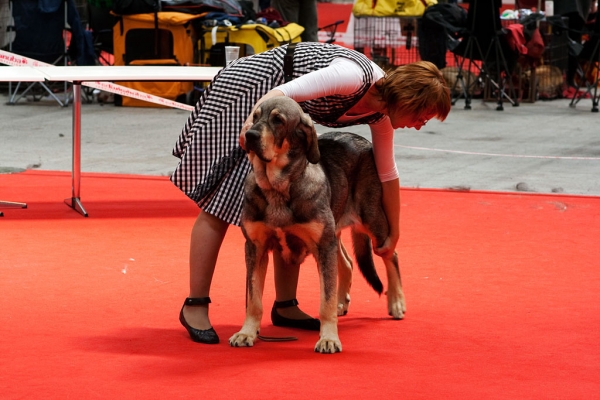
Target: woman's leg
{"points": [[286, 285], [207, 236]]}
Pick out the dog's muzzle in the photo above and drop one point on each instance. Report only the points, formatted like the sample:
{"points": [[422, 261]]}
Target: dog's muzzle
{"points": [[252, 139], [253, 144]]}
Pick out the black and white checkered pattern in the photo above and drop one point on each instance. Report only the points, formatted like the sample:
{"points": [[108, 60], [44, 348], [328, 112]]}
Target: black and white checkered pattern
{"points": [[213, 166]]}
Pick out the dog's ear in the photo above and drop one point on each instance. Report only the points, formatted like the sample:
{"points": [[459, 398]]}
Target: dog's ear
{"points": [[312, 154]]}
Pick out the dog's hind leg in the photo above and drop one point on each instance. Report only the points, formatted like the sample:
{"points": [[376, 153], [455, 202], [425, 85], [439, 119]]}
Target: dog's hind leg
{"points": [[395, 294], [256, 263], [377, 224], [344, 279]]}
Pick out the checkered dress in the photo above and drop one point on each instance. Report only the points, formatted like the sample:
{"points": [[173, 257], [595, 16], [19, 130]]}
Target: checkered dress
{"points": [[213, 166]]}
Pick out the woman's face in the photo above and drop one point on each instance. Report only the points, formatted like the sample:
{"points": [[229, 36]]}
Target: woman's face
{"points": [[401, 120]]}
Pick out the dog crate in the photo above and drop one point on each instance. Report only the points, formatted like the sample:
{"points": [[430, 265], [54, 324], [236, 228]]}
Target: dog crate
{"points": [[551, 79], [542, 79], [164, 38], [546, 80], [388, 41]]}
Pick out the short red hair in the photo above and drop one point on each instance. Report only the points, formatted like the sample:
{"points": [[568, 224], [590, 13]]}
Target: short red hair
{"points": [[417, 89]]}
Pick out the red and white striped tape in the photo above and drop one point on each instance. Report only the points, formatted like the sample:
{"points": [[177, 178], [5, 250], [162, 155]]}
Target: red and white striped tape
{"points": [[15, 60]]}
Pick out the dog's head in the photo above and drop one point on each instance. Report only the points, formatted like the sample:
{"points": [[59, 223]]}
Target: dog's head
{"points": [[281, 129]]}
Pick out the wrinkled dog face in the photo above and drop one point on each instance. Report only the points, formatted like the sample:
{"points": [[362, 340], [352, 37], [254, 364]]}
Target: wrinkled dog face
{"points": [[281, 129]]}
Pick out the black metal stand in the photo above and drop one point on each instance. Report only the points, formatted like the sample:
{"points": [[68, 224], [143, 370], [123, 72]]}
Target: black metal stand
{"points": [[591, 69], [485, 74]]}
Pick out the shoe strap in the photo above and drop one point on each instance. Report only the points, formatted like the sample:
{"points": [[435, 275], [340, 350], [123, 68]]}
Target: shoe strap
{"points": [[285, 303], [197, 301]]}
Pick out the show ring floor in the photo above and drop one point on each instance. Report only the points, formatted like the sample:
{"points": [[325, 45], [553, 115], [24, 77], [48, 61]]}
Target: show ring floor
{"points": [[501, 294]]}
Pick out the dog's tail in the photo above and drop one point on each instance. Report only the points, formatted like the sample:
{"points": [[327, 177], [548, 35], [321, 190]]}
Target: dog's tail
{"points": [[363, 251]]}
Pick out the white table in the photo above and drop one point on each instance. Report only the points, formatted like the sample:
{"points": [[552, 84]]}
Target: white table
{"points": [[79, 74], [21, 74]]}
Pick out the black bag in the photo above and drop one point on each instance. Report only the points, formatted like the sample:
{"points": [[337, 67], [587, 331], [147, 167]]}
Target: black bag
{"points": [[128, 7], [438, 29], [231, 7]]}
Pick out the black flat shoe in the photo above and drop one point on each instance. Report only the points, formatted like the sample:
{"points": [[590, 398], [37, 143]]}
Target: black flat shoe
{"points": [[207, 336], [309, 324]]}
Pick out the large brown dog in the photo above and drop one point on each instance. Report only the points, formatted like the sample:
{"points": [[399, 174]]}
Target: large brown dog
{"points": [[300, 195]]}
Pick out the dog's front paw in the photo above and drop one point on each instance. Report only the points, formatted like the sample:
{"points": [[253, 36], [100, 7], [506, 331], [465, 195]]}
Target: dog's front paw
{"points": [[328, 346], [242, 340], [396, 305]]}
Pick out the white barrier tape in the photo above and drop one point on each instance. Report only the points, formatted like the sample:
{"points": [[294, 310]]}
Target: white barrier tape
{"points": [[496, 155], [15, 60]]}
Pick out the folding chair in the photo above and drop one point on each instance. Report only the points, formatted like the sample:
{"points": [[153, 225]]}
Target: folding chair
{"points": [[331, 30], [589, 67], [101, 22], [483, 50], [40, 34]]}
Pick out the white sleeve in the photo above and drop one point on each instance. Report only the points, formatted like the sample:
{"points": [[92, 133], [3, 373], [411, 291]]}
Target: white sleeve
{"points": [[382, 137], [343, 76]]}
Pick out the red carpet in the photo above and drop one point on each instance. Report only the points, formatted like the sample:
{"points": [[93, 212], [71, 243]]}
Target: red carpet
{"points": [[501, 295]]}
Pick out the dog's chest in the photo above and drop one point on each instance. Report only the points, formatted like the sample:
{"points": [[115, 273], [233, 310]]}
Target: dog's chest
{"points": [[278, 212], [293, 248]]}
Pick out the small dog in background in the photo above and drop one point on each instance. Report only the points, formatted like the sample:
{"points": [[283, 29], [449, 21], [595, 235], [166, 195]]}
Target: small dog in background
{"points": [[302, 192]]}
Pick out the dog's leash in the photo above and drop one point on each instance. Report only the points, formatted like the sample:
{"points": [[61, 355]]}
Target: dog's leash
{"points": [[270, 338], [277, 339]]}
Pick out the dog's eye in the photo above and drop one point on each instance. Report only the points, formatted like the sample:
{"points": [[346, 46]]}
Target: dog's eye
{"points": [[277, 119], [301, 134]]}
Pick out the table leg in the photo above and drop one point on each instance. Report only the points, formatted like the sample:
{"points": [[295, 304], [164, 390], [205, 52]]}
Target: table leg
{"points": [[4, 203], [75, 201]]}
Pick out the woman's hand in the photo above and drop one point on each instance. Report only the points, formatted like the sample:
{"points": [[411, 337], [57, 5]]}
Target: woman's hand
{"points": [[247, 125], [388, 248], [391, 206]]}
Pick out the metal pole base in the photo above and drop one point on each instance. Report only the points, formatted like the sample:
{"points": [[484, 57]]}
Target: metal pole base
{"points": [[12, 204], [75, 204]]}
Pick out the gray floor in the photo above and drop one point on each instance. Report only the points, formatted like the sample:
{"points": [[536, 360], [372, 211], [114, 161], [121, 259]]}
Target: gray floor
{"points": [[543, 147]]}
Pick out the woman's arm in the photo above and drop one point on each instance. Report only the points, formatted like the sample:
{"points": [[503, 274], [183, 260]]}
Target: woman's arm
{"points": [[382, 136], [342, 76], [391, 206]]}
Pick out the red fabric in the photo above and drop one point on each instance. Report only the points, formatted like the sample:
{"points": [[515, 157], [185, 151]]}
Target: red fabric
{"points": [[535, 45], [516, 38], [501, 294], [271, 14]]}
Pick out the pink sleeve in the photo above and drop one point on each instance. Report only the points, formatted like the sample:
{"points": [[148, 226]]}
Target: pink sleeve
{"points": [[382, 137]]}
